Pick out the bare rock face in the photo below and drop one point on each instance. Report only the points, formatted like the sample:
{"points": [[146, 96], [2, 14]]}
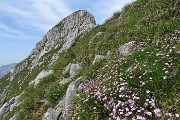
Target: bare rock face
{"points": [[8, 106], [62, 36]]}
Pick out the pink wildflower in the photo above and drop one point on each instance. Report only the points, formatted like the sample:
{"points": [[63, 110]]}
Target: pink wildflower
{"points": [[157, 112]]}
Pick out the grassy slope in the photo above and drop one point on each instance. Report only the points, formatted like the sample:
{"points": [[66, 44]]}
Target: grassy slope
{"points": [[144, 21]]}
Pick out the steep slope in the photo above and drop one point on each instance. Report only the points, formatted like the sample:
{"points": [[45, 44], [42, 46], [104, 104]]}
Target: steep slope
{"points": [[127, 68], [143, 84], [56, 41], [6, 68]]}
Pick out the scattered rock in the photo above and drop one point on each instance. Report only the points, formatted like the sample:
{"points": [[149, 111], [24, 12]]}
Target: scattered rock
{"points": [[98, 58], [98, 34], [14, 117], [51, 114], [4, 110], [108, 54], [73, 69], [60, 106], [14, 102], [41, 75], [127, 48], [62, 36], [8, 106], [71, 93], [17, 69], [2, 97], [80, 87], [94, 37], [64, 81], [67, 68]]}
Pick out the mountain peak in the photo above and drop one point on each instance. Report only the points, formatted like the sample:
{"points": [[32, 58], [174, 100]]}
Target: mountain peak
{"points": [[60, 38], [62, 35]]}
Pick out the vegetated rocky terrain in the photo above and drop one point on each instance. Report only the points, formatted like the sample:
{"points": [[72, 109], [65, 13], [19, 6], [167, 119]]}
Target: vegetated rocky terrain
{"points": [[126, 68], [4, 69]]}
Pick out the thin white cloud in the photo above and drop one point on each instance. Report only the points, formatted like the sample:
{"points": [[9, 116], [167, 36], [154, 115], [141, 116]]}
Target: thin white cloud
{"points": [[105, 9], [44, 14], [101, 9], [40, 14], [11, 9], [29, 19], [7, 31]]}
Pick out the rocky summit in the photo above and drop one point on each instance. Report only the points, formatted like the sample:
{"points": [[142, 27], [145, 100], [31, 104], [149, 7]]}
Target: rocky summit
{"points": [[126, 68], [56, 41]]}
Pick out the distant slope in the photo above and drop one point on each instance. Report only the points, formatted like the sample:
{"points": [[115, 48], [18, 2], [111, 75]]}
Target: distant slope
{"points": [[6, 68]]}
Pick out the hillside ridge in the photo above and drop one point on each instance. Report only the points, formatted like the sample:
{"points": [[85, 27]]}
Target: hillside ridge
{"points": [[126, 68], [56, 41]]}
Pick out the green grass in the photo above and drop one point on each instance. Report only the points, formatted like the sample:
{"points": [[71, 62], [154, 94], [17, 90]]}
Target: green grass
{"points": [[145, 21], [56, 93]]}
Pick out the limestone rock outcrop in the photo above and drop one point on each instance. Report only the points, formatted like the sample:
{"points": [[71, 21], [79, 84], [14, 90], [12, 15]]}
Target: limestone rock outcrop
{"points": [[71, 93], [8, 106], [65, 104], [62, 36]]}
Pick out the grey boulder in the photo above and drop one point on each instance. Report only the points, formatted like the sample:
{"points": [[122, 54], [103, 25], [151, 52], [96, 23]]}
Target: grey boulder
{"points": [[51, 114], [127, 48], [73, 69], [98, 58], [71, 93]]}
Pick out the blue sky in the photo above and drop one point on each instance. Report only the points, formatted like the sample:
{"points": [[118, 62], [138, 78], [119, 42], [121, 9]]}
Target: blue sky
{"points": [[24, 22]]}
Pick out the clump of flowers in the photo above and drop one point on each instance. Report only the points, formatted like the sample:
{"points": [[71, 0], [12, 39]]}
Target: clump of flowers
{"points": [[130, 92], [123, 102]]}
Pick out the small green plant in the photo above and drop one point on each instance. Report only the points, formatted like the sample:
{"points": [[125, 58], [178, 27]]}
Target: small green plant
{"points": [[66, 75], [90, 72], [29, 105], [56, 92]]}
